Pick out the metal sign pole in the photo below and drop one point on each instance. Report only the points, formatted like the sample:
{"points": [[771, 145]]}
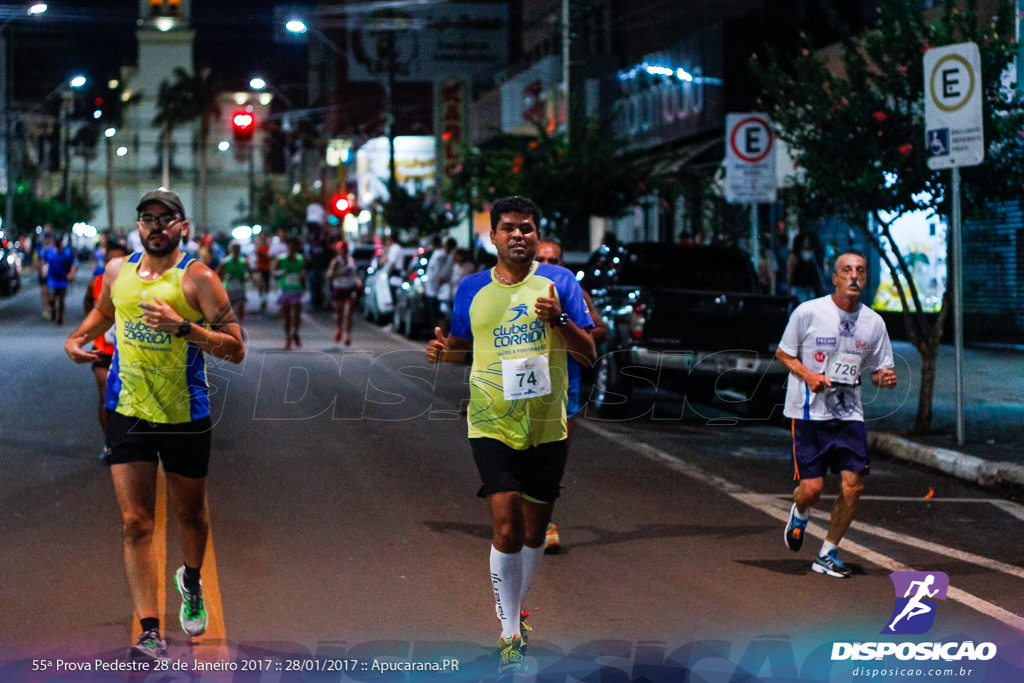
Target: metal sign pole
{"points": [[958, 305], [954, 125], [755, 246]]}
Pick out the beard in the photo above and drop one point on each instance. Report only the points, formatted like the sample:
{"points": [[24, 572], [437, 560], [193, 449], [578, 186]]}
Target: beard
{"points": [[172, 244]]}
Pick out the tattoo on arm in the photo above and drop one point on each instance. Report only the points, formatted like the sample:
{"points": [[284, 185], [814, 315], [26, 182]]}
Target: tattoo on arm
{"points": [[225, 316]]}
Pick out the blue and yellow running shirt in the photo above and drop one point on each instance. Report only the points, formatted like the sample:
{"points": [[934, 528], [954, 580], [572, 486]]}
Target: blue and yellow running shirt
{"points": [[500, 321], [154, 375]]}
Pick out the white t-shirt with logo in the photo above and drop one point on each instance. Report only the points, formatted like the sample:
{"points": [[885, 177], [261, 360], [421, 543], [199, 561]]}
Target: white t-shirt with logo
{"points": [[826, 338]]}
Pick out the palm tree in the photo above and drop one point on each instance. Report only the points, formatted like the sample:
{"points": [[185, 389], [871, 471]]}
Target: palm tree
{"points": [[188, 98], [170, 114]]}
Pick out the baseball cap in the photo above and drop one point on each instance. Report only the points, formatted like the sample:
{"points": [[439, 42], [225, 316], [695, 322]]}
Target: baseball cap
{"points": [[165, 197]]}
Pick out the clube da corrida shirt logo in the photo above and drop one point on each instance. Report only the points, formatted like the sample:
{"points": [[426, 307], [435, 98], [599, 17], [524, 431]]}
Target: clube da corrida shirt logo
{"points": [[138, 331]]}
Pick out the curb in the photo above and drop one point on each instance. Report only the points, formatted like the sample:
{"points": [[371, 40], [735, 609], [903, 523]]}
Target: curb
{"points": [[968, 467]]}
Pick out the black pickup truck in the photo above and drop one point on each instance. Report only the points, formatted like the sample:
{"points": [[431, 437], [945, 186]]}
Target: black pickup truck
{"points": [[688, 319]]}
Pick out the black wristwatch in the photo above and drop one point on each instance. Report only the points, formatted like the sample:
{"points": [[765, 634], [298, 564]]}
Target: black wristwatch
{"points": [[562, 321], [184, 327]]}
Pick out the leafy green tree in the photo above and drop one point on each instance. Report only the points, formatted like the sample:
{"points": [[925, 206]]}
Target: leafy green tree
{"points": [[593, 178], [420, 213], [276, 208], [30, 210], [858, 137]]}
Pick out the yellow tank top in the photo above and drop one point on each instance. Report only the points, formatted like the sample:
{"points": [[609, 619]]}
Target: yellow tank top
{"points": [[154, 375]]}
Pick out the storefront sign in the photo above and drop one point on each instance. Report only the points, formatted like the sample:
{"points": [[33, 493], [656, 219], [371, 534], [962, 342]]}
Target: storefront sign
{"points": [[672, 94], [529, 97], [451, 140]]}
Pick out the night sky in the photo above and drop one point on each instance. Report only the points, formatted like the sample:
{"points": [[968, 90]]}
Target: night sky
{"points": [[96, 37]]}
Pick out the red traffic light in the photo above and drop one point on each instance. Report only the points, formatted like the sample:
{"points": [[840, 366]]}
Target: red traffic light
{"points": [[342, 204], [243, 124]]}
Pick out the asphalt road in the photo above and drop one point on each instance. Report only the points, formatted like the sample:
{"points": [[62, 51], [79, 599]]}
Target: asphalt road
{"points": [[346, 531]]}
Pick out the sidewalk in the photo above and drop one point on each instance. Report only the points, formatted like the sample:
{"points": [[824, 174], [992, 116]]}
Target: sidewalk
{"points": [[993, 452]]}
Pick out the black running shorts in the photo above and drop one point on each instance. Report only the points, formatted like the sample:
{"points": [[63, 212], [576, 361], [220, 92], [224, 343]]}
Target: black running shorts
{"points": [[184, 448], [536, 471]]}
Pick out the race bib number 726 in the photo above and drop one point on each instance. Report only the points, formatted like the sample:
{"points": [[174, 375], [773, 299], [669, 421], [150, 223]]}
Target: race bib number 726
{"points": [[844, 368]]}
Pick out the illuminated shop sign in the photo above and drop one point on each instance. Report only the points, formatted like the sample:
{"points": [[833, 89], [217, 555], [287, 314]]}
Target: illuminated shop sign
{"points": [[673, 93]]}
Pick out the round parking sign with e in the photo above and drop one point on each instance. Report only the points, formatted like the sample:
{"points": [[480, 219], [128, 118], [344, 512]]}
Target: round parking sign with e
{"points": [[751, 139], [951, 83]]}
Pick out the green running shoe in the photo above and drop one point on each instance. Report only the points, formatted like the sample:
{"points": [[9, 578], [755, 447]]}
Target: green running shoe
{"points": [[150, 646], [511, 657], [192, 614]]}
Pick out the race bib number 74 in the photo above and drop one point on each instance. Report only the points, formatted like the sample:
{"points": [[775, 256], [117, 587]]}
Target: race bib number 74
{"points": [[525, 377]]}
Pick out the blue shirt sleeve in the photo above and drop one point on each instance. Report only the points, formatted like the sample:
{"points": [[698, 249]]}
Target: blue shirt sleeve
{"points": [[469, 287]]}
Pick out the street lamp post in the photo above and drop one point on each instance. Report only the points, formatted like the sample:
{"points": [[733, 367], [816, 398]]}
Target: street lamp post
{"points": [[67, 97], [258, 83], [109, 134], [391, 63], [5, 95]]}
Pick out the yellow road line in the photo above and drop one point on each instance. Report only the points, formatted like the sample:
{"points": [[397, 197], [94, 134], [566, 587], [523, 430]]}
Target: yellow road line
{"points": [[159, 551], [212, 645]]}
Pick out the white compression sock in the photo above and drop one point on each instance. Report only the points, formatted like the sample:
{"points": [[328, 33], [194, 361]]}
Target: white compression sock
{"points": [[531, 561], [507, 581], [803, 515]]}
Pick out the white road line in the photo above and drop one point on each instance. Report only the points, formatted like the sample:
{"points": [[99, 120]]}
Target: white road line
{"points": [[911, 499], [1015, 509], [768, 504], [905, 539]]}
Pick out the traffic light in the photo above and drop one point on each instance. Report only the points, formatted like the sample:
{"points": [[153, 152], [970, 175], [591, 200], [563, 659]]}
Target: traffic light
{"points": [[243, 124], [340, 204]]}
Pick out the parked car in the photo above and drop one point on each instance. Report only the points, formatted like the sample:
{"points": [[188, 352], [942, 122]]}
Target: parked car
{"points": [[363, 255], [378, 300], [412, 316], [10, 270], [686, 318]]}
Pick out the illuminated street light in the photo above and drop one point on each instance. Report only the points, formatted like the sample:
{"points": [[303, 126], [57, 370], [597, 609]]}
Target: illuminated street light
{"points": [[37, 8], [296, 26], [257, 83], [224, 145], [78, 81], [110, 132], [121, 151]]}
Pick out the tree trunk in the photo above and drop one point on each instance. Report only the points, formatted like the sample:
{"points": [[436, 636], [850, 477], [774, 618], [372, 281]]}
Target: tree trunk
{"points": [[110, 183], [165, 180], [923, 422]]}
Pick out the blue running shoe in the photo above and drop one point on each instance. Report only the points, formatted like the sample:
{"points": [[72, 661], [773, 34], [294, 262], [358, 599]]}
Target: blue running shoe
{"points": [[794, 535], [831, 565]]}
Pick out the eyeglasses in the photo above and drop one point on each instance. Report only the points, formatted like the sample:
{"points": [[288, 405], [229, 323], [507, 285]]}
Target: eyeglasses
{"points": [[165, 219]]}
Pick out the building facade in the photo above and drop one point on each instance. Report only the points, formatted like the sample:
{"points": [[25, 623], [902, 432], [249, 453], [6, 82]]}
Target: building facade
{"points": [[136, 155]]}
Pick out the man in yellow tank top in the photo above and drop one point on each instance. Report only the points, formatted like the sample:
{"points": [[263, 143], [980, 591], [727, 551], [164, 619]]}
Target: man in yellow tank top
{"points": [[168, 311]]}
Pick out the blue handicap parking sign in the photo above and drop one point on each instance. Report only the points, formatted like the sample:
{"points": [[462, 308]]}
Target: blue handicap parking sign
{"points": [[938, 142]]}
